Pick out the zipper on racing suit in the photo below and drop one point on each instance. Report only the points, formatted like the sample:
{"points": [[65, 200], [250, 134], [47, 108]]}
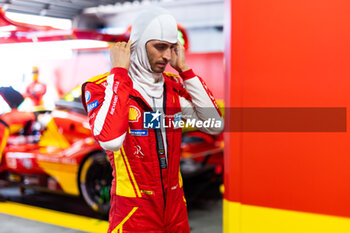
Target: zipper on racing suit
{"points": [[159, 140]]}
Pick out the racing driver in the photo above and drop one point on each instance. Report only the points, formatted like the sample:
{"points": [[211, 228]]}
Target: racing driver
{"points": [[125, 107]]}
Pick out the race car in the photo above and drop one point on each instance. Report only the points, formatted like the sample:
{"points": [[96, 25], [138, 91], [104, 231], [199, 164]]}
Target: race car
{"points": [[57, 152]]}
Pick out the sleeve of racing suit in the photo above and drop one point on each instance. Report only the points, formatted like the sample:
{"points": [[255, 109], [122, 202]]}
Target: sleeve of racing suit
{"points": [[108, 117], [202, 105]]}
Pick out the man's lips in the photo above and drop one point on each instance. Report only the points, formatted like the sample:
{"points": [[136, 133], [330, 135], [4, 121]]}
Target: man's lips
{"points": [[161, 64]]}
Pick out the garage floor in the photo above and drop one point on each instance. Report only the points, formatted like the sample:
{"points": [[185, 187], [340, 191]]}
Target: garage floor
{"points": [[12, 224], [25, 214]]}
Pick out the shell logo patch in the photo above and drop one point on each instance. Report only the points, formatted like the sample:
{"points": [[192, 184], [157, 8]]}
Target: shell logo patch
{"points": [[134, 114]]}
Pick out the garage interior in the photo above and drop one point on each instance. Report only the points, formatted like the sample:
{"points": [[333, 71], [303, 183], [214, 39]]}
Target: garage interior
{"points": [[63, 67]]}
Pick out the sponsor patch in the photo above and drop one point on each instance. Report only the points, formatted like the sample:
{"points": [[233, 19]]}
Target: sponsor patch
{"points": [[138, 152], [87, 96], [147, 192], [115, 99], [162, 162], [139, 132], [134, 114], [92, 105], [115, 88], [92, 116]]}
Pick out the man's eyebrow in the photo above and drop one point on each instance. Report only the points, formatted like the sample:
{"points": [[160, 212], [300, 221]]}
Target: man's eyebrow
{"points": [[159, 44]]}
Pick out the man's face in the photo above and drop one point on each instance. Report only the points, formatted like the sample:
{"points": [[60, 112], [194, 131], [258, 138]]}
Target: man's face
{"points": [[159, 54], [35, 75]]}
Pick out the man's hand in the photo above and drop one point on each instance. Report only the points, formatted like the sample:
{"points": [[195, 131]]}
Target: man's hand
{"points": [[120, 54], [178, 60]]}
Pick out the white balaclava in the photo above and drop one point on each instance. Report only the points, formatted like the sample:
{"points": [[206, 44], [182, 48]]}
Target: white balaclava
{"points": [[154, 23]]}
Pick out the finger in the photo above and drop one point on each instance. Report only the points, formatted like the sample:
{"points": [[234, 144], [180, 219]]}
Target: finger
{"points": [[112, 48], [128, 45], [179, 44]]}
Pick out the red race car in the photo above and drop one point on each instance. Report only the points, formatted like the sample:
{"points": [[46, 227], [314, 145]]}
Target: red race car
{"points": [[55, 151]]}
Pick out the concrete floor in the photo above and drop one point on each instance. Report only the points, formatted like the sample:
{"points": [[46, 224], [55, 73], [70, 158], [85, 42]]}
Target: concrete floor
{"points": [[205, 216], [11, 224]]}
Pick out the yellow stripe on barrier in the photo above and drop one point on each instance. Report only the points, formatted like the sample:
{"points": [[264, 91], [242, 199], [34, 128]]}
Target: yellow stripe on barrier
{"points": [[54, 217], [240, 218]]}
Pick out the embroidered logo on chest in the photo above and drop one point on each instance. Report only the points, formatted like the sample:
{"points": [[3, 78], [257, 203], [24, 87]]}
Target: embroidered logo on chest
{"points": [[138, 152], [134, 114]]}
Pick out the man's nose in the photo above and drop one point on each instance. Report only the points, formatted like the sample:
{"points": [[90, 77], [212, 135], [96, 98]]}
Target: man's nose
{"points": [[167, 54]]}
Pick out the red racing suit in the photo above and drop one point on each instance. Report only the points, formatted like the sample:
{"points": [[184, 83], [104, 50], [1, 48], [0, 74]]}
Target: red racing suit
{"points": [[35, 91], [146, 194]]}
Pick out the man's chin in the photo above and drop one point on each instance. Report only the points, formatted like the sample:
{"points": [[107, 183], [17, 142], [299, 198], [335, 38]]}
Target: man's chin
{"points": [[158, 70]]}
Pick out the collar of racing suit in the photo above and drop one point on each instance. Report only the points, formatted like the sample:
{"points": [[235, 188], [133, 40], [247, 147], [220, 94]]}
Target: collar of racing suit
{"points": [[154, 23]]}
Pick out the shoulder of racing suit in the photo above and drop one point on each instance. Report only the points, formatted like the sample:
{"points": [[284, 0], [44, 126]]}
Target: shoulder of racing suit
{"points": [[177, 83], [171, 79], [98, 81]]}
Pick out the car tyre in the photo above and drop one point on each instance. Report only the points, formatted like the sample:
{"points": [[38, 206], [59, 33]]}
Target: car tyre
{"points": [[95, 179]]}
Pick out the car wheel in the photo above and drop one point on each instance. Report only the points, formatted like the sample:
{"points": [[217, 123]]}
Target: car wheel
{"points": [[21, 190], [95, 179]]}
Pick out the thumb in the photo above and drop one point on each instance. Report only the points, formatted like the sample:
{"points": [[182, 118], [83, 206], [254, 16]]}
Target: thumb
{"points": [[128, 45]]}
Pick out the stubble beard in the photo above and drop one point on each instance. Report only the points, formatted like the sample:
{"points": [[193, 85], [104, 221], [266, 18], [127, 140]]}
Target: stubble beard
{"points": [[157, 69]]}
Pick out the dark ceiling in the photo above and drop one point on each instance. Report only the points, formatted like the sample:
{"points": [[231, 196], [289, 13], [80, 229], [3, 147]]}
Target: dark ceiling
{"points": [[54, 8]]}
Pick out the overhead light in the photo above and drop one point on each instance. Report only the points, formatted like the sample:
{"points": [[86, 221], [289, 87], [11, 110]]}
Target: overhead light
{"points": [[53, 50], [46, 48], [33, 51], [86, 44], [40, 20], [8, 28], [5, 34], [113, 31], [71, 44]]}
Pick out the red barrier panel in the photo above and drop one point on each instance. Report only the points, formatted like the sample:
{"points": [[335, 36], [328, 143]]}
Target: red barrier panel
{"points": [[210, 66], [287, 54]]}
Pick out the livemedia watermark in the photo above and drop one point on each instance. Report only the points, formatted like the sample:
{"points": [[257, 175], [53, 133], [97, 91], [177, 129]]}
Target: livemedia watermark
{"points": [[252, 119]]}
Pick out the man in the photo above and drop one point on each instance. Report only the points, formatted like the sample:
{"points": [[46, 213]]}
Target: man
{"points": [[147, 194], [36, 90]]}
